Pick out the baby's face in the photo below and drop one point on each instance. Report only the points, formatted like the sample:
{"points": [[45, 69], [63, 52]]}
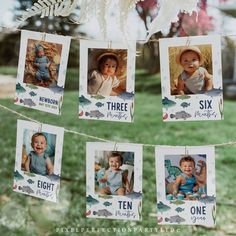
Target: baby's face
{"points": [[39, 144], [40, 53], [189, 61], [109, 67], [187, 167], [114, 163]]}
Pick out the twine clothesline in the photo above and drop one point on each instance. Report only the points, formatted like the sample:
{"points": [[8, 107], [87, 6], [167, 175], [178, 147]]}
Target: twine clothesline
{"points": [[102, 139]]}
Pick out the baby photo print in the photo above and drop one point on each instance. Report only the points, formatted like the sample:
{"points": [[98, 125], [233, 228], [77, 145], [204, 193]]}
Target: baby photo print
{"points": [[114, 181], [186, 185], [41, 71], [191, 78], [106, 81], [38, 160]]}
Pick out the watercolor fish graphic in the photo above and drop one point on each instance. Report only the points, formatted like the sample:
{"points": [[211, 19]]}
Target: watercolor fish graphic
{"points": [[19, 88], [94, 113], [103, 212], [84, 101], [166, 102], [126, 95], [18, 176], [162, 207], [175, 219], [91, 201]]}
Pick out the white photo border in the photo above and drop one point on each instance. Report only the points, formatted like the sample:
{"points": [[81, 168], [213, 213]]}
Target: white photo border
{"points": [[87, 111], [21, 178], [173, 107], [187, 216], [54, 106], [135, 198]]}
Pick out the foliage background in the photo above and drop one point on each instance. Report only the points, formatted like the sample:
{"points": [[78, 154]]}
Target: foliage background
{"points": [[24, 215]]}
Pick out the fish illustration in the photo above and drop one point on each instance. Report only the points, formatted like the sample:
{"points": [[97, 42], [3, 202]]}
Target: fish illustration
{"points": [[29, 174], [19, 88], [31, 86], [91, 201], [28, 102], [214, 92], [18, 176], [88, 213], [56, 89], [98, 97], [94, 113], [182, 97], [208, 199], [32, 94], [134, 195], [106, 203], [167, 102], [103, 212], [140, 209], [180, 115], [175, 219], [177, 202], [99, 104], [179, 209], [131, 109], [185, 104], [126, 95], [26, 189], [30, 181], [162, 207], [214, 214], [165, 116], [84, 101], [105, 196], [53, 177]]}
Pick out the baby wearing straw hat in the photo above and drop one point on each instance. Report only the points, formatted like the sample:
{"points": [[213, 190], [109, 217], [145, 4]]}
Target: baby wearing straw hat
{"points": [[194, 79], [103, 80]]}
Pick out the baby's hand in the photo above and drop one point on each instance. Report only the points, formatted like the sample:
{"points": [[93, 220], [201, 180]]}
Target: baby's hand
{"points": [[175, 192], [102, 180], [195, 189], [128, 190]]}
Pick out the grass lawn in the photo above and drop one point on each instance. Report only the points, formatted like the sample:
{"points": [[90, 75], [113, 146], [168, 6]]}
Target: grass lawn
{"points": [[24, 215]]}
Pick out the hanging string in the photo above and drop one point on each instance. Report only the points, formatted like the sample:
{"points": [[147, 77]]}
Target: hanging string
{"points": [[102, 139]]}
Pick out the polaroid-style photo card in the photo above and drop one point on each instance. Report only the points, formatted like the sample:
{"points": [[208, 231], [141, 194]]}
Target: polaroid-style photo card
{"points": [[107, 74], [185, 178], [114, 181], [38, 160], [191, 78], [41, 71]]}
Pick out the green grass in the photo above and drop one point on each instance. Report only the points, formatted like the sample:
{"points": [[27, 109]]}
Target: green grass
{"points": [[32, 216], [8, 70]]}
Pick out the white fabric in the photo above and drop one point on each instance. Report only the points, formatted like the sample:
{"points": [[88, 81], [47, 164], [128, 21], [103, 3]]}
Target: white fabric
{"points": [[168, 13]]}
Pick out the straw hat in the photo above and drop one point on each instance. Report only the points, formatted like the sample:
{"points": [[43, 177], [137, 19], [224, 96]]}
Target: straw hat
{"points": [[190, 48], [107, 54]]}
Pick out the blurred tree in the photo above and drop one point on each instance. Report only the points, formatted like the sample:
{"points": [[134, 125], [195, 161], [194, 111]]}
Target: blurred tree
{"points": [[9, 45], [187, 25]]}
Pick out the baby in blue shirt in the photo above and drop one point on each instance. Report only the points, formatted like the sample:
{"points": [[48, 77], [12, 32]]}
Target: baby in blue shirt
{"points": [[115, 178], [38, 161], [185, 183], [42, 63]]}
